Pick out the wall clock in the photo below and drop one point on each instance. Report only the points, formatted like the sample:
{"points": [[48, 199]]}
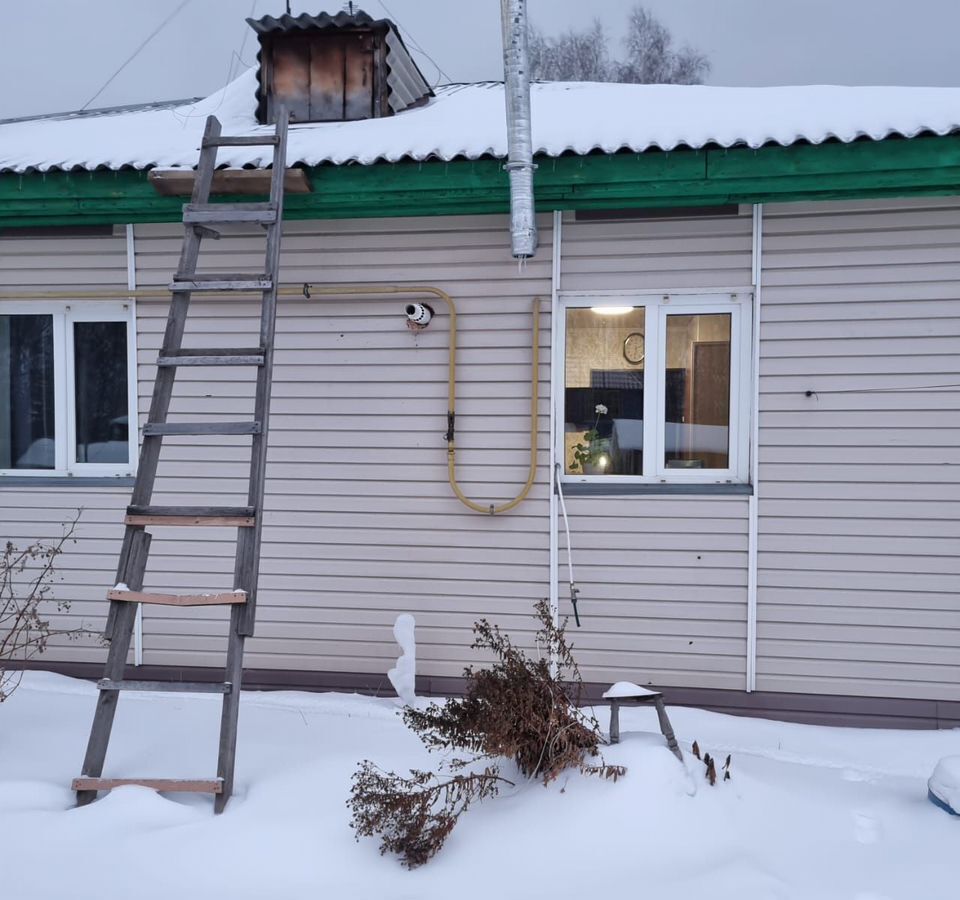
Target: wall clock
{"points": [[633, 348]]}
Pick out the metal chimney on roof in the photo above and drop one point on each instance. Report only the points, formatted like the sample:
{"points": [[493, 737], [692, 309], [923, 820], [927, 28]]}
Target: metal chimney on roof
{"points": [[516, 89]]}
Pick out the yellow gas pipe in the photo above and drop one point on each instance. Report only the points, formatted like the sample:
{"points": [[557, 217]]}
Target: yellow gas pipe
{"points": [[309, 290]]}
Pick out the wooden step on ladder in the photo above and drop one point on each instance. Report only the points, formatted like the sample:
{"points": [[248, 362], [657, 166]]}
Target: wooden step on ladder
{"points": [[199, 218]]}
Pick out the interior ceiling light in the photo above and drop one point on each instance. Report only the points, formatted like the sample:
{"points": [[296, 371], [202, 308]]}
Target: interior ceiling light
{"points": [[611, 310]]}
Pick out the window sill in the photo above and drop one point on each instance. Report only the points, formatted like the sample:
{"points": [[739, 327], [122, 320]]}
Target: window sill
{"points": [[596, 489], [59, 481]]}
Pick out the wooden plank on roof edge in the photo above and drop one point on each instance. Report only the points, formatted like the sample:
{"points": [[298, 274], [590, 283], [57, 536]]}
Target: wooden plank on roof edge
{"points": [[179, 182]]}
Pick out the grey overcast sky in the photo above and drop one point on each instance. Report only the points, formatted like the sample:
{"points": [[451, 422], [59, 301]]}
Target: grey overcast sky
{"points": [[56, 54]]}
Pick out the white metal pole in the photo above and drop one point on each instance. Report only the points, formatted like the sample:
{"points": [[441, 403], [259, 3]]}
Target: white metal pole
{"points": [[132, 286], [753, 523], [554, 393]]}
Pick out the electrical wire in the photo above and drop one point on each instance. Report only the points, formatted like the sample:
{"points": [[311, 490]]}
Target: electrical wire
{"points": [[574, 590], [416, 45], [236, 56], [891, 390], [136, 52]]}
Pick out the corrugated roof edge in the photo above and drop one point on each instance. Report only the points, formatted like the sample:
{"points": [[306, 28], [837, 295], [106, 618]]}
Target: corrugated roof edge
{"points": [[408, 86], [269, 24], [892, 135], [103, 111]]}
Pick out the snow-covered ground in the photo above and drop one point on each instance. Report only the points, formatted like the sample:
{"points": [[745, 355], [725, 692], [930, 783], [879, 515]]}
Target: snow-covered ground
{"points": [[817, 813]]}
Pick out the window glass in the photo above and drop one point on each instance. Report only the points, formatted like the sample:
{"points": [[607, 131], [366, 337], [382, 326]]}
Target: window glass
{"points": [[26, 392], [697, 392], [100, 385], [603, 390]]}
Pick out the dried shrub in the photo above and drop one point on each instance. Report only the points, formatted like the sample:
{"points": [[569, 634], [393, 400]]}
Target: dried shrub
{"points": [[711, 773], [26, 585], [519, 708], [414, 815], [710, 765]]}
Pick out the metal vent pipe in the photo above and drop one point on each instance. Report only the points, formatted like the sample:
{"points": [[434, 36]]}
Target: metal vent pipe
{"points": [[516, 89]]}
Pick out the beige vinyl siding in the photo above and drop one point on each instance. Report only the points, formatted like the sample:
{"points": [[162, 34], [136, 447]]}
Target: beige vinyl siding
{"points": [[859, 495], [63, 263], [87, 567], [654, 254], [360, 523], [859, 569], [26, 515], [663, 579]]}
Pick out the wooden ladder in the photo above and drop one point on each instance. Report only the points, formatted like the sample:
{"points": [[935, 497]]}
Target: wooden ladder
{"points": [[198, 218]]}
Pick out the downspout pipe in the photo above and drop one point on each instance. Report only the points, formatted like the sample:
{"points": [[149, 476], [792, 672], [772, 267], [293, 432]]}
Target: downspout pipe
{"points": [[516, 90]]}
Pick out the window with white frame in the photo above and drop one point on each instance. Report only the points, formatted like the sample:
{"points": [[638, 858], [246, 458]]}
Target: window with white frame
{"points": [[67, 389], [656, 387]]}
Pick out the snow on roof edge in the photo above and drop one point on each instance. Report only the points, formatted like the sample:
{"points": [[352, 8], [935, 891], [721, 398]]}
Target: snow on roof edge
{"points": [[466, 121]]}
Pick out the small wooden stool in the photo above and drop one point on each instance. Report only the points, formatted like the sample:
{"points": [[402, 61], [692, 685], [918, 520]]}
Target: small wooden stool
{"points": [[627, 692]]}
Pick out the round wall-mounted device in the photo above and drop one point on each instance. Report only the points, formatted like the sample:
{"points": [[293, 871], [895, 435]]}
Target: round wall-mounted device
{"points": [[633, 348]]}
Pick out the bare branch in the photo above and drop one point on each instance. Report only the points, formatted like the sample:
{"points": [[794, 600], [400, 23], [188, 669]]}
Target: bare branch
{"points": [[26, 577]]}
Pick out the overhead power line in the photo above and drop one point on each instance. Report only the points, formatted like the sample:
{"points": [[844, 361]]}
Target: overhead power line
{"points": [[413, 41], [136, 52]]}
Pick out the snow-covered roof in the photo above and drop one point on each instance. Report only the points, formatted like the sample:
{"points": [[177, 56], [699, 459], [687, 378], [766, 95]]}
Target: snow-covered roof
{"points": [[467, 121]]}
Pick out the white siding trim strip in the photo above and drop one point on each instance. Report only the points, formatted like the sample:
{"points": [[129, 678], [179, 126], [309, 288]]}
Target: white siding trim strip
{"points": [[753, 520], [554, 524], [132, 380]]}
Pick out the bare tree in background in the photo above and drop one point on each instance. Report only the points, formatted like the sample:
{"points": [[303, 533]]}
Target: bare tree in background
{"points": [[573, 56], [651, 57]]}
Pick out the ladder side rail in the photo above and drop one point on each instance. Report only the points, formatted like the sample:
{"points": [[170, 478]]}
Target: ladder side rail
{"points": [[176, 323], [247, 562], [138, 548], [247, 567], [163, 385]]}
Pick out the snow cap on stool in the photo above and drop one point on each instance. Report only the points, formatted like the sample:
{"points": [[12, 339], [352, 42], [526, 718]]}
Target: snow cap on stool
{"points": [[626, 689]]}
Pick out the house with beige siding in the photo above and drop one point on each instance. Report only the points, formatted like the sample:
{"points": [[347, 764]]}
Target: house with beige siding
{"points": [[746, 416]]}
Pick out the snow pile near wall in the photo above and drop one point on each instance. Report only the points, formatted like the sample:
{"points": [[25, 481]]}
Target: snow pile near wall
{"points": [[403, 676], [945, 782], [467, 121], [825, 813]]}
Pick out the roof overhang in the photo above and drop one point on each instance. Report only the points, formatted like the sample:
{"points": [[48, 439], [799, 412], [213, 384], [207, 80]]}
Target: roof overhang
{"points": [[895, 167]]}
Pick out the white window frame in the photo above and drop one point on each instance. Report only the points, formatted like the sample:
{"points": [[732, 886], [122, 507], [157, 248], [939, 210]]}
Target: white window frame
{"points": [[65, 314], [660, 304]]}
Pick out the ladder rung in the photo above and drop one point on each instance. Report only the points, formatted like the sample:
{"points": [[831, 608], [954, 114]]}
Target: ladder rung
{"points": [[193, 512], [207, 213], [210, 359], [220, 276], [214, 351], [239, 285], [193, 521], [167, 785], [190, 687], [231, 597], [156, 429], [253, 140]]}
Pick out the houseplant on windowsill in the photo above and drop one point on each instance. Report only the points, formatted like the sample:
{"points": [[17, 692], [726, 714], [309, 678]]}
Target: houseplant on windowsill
{"points": [[591, 455]]}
